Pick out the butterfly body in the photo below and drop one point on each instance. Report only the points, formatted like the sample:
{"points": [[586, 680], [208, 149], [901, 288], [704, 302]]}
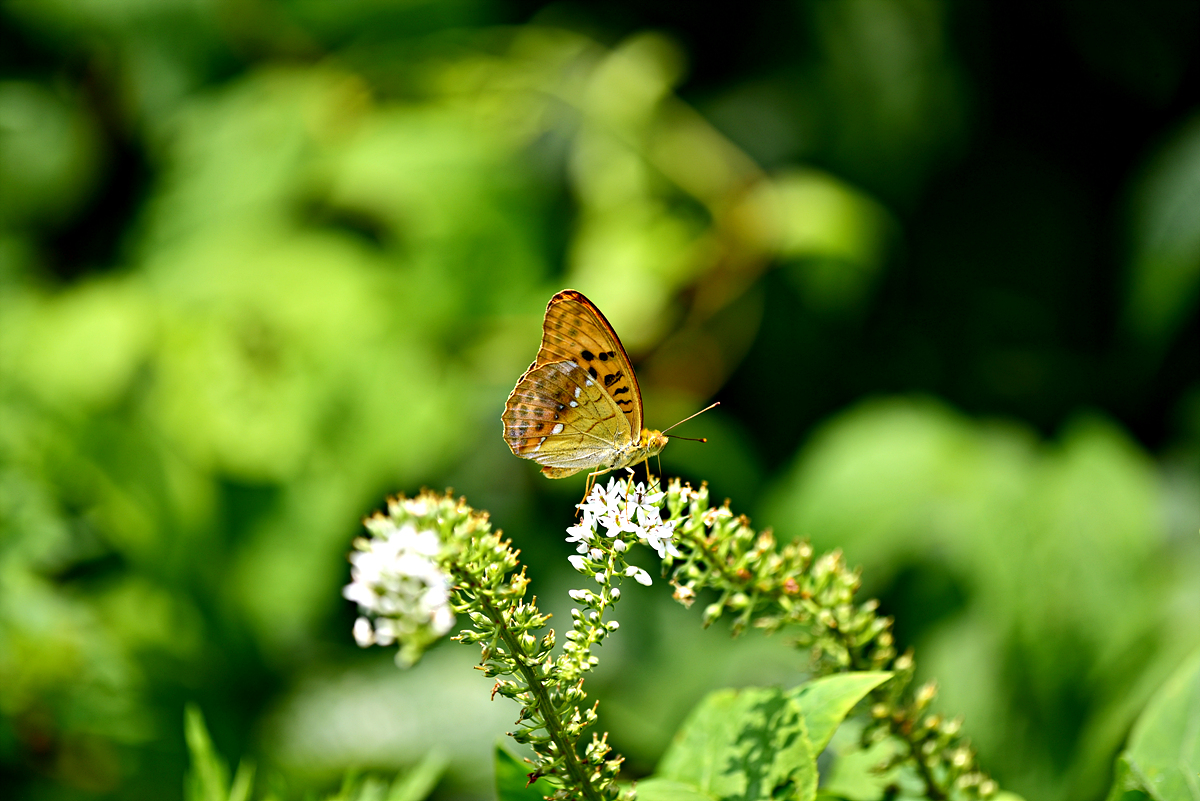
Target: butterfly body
{"points": [[578, 406]]}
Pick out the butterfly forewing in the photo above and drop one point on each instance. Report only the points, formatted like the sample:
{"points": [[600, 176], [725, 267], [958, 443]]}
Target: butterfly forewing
{"points": [[575, 330]]}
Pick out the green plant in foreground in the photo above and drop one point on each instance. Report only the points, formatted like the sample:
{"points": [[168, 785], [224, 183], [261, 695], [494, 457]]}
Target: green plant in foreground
{"points": [[432, 557]]}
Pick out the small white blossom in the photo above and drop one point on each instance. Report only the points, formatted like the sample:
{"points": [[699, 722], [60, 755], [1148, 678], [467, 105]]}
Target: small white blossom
{"points": [[646, 503], [623, 508], [659, 538], [399, 587], [443, 619], [603, 500], [364, 635], [386, 631], [711, 516], [577, 562], [618, 520], [647, 517], [639, 575], [582, 532]]}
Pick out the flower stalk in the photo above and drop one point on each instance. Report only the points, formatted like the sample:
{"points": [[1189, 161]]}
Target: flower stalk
{"points": [[485, 582], [764, 584], [433, 557]]}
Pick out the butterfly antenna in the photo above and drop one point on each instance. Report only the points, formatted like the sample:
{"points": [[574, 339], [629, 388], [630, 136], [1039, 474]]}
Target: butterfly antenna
{"points": [[689, 417]]}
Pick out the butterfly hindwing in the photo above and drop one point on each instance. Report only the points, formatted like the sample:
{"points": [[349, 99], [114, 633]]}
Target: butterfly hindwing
{"points": [[575, 330], [562, 418]]}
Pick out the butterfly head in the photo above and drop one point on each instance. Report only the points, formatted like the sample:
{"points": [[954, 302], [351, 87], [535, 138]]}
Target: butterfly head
{"points": [[651, 442]]}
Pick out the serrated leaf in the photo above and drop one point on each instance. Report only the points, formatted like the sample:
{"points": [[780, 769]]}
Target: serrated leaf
{"points": [[826, 701], [744, 744], [512, 779], [1163, 757]]}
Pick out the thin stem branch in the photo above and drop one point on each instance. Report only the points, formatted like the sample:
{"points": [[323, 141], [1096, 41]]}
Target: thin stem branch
{"points": [[534, 676]]}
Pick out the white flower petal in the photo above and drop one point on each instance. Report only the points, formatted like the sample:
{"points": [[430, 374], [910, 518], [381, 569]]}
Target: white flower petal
{"points": [[364, 635]]}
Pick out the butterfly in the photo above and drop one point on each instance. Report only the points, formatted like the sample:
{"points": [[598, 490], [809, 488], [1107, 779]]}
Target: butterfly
{"points": [[578, 406]]}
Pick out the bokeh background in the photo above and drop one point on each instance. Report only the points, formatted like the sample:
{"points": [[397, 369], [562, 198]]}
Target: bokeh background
{"points": [[263, 263]]}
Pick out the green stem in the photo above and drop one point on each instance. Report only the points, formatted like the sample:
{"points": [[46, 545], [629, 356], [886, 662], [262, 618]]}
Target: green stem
{"points": [[859, 661], [533, 676], [932, 790]]}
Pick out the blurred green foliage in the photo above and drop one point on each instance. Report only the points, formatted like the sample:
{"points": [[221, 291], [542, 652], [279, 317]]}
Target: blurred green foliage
{"points": [[1162, 759], [263, 263], [208, 775]]}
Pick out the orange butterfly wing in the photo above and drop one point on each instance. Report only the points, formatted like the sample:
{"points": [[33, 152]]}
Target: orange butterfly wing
{"points": [[578, 406], [575, 330]]}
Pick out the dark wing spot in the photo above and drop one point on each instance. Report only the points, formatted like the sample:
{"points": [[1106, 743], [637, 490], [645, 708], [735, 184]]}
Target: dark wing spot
{"points": [[556, 415], [609, 380], [623, 403], [592, 372], [539, 426], [619, 390], [561, 406], [612, 354], [588, 355]]}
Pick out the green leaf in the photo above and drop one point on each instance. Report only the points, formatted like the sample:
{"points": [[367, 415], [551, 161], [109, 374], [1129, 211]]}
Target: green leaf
{"points": [[208, 778], [209, 775], [359, 788], [853, 775], [668, 790], [1165, 259], [243, 782], [512, 779], [826, 701], [1163, 757], [418, 783], [744, 744], [412, 785], [1126, 785]]}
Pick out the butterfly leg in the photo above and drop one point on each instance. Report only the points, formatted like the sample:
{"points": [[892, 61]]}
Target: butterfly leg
{"points": [[588, 486]]}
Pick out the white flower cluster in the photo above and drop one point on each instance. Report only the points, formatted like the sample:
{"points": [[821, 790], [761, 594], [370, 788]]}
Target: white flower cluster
{"points": [[624, 511], [402, 593]]}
